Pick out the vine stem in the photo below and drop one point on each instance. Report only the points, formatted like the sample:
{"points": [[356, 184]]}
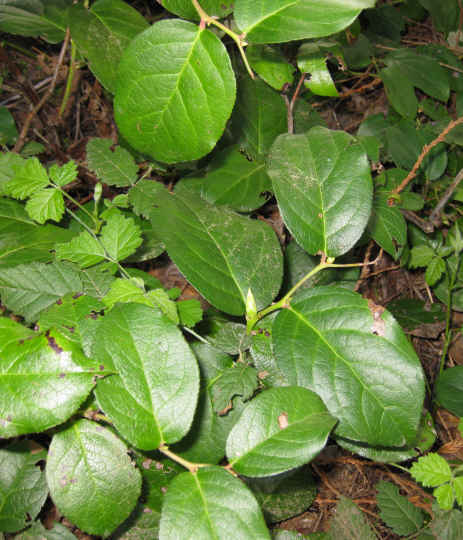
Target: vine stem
{"points": [[206, 20], [192, 467], [67, 91]]}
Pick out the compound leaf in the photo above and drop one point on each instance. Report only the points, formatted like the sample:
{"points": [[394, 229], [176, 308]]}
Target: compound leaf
{"points": [[397, 511], [154, 400], [279, 430], [221, 253], [113, 167], [42, 383], [356, 357], [175, 92], [276, 21], [23, 488], [79, 459], [323, 186], [211, 503]]}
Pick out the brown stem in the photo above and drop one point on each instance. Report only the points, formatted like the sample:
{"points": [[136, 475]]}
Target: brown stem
{"points": [[445, 198], [22, 137], [290, 104]]}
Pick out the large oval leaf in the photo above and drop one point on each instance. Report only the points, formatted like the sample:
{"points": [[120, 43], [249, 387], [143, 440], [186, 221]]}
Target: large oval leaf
{"points": [[279, 430], [212, 505], [79, 461], [356, 357], [102, 33], [221, 253], [276, 21], [324, 190], [43, 381], [153, 402], [176, 90]]}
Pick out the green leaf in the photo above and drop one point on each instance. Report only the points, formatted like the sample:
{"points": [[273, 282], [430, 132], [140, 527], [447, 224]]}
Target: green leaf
{"points": [[43, 381], [238, 380], [407, 69], [458, 488], [84, 250], [447, 525], [175, 92], [185, 8], [312, 58], [113, 167], [22, 240], [33, 18], [285, 495], [61, 176], [323, 187], [445, 496], [431, 470], [120, 236], [144, 196], [434, 271], [411, 313], [444, 15], [29, 178], [154, 400], [223, 333], [204, 241], [233, 180], [270, 64], [160, 298], [190, 312], [276, 21], [23, 488], [126, 291], [448, 390], [10, 162], [102, 33], [360, 363], [8, 131], [46, 204], [11, 332], [211, 503], [279, 430], [38, 531], [420, 256], [79, 459], [349, 522], [27, 289], [387, 225], [397, 511], [259, 117]]}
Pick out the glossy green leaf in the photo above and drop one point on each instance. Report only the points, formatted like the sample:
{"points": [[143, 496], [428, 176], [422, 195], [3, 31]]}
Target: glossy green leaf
{"points": [[176, 90], [270, 64], [220, 253], [284, 495], [79, 459], [27, 289], [114, 167], [102, 33], [223, 333], [23, 488], [275, 21], [154, 400], [279, 430], [458, 488], [12, 331], [8, 131], [349, 523], [65, 174], [32, 18], [42, 383], [210, 504], [449, 388], [323, 187], [259, 117], [22, 240], [46, 204], [190, 312], [233, 180], [397, 511], [185, 8], [357, 358], [312, 59]]}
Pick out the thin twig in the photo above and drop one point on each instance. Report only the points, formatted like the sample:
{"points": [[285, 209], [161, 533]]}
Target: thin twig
{"points": [[425, 151], [290, 104], [433, 218], [22, 137]]}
